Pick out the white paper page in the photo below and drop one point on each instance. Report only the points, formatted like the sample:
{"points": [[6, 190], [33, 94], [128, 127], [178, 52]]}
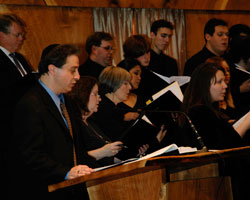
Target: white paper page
{"points": [[146, 119], [236, 124], [174, 88], [166, 149], [187, 149], [180, 79], [239, 68], [116, 164]]}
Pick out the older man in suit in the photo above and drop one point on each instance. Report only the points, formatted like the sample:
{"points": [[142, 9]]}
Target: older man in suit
{"points": [[14, 67], [45, 136], [16, 76]]}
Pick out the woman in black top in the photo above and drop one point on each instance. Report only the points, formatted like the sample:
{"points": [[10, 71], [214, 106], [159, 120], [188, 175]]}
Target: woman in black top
{"points": [[115, 88], [98, 145], [201, 102], [136, 102]]}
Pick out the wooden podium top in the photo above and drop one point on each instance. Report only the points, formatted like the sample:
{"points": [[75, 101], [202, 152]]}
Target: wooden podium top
{"points": [[171, 163]]}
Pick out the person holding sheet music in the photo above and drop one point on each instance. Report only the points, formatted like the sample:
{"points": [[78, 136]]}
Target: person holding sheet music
{"points": [[114, 89], [85, 95], [201, 102], [136, 102], [227, 105]]}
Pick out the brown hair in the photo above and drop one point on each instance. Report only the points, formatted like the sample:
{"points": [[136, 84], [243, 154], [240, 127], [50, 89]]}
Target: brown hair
{"points": [[81, 91]]}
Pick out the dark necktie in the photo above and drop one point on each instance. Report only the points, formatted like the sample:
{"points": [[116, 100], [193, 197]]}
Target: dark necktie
{"points": [[18, 66], [66, 116]]}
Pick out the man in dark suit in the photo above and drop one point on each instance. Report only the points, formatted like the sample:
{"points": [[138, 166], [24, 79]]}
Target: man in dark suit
{"points": [[161, 33], [45, 146], [15, 78], [100, 48], [14, 67], [216, 43]]}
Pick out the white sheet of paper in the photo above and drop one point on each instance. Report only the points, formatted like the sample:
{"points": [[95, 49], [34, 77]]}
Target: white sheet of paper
{"points": [[180, 79], [174, 88], [236, 124]]}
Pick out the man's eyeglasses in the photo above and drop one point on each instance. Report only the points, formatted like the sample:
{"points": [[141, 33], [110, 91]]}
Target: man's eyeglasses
{"points": [[108, 48], [17, 35]]}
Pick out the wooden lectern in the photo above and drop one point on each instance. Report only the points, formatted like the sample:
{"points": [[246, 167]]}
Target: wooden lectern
{"points": [[194, 176]]}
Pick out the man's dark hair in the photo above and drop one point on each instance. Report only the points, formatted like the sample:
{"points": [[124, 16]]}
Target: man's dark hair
{"points": [[136, 46], [47, 49], [161, 23], [57, 56], [238, 32], [211, 24], [96, 39], [237, 29], [128, 63], [6, 21], [240, 50]]}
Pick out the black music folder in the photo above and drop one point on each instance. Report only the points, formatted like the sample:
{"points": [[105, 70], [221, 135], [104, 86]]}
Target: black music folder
{"points": [[158, 109]]}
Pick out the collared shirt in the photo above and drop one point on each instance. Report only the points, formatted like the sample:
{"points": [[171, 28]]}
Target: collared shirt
{"points": [[7, 53], [56, 98]]}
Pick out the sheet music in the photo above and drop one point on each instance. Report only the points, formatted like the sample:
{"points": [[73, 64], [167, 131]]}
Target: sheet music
{"points": [[116, 164], [241, 69], [146, 119], [167, 149], [174, 88], [180, 79], [236, 124]]}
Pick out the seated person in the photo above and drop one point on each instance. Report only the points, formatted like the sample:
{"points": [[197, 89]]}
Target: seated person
{"points": [[85, 94]]}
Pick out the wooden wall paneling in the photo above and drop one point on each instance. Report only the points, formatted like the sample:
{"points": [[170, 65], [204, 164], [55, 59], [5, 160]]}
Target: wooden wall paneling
{"points": [[22, 2], [48, 25], [174, 4], [198, 5], [196, 20], [95, 3]]}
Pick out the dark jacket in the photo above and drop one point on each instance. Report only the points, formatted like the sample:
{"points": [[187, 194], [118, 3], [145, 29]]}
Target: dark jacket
{"points": [[42, 146]]}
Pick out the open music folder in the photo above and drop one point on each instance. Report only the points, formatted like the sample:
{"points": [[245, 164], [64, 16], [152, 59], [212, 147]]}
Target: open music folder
{"points": [[182, 80], [167, 99], [172, 149]]}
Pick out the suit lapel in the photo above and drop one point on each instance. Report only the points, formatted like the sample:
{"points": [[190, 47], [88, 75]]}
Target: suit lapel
{"points": [[9, 66], [51, 106]]}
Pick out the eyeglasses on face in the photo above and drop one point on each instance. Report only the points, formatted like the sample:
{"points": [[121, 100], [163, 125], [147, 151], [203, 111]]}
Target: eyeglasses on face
{"points": [[108, 48], [17, 35]]}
